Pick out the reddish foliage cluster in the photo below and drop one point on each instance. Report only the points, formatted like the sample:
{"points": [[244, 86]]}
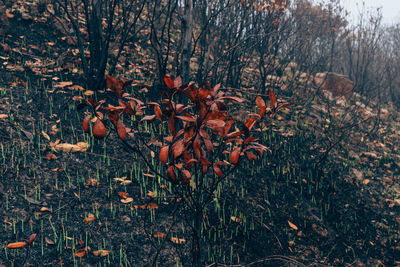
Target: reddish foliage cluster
{"points": [[200, 136]]}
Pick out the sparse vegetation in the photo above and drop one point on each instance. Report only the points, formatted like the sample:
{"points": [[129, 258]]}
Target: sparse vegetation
{"points": [[114, 150]]}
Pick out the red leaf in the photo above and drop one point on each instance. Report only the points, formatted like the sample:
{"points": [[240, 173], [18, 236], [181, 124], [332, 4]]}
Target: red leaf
{"points": [[85, 124], [234, 134], [158, 112], [80, 253], [186, 176], [148, 118], [261, 106], [171, 173], [284, 105], [234, 156], [197, 147], [260, 103], [32, 238], [178, 148], [203, 93], [17, 245], [113, 116], [250, 123], [272, 99], [215, 123], [251, 156], [209, 145], [114, 85], [188, 159], [171, 124], [99, 130], [228, 126], [164, 154], [249, 139], [186, 118], [218, 171], [168, 81], [121, 130]]}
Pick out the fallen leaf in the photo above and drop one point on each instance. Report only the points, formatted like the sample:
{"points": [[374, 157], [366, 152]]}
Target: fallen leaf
{"points": [[159, 235], [88, 93], [101, 252], [45, 209], [127, 200], [152, 206], [65, 147], [3, 116], [62, 84], [17, 245], [49, 241], [90, 218], [80, 253], [366, 181], [50, 156], [177, 240], [45, 135], [76, 88], [123, 194], [293, 226]]}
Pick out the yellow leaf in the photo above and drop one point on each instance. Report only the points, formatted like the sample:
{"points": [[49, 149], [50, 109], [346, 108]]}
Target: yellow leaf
{"points": [[293, 226], [45, 209], [45, 135], [177, 240], [90, 218], [101, 252], [366, 181], [3, 116]]}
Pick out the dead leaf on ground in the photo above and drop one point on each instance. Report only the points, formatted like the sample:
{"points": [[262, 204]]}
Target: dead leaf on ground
{"points": [[126, 200], [16, 245], [62, 84], [66, 147], [49, 241], [50, 156], [101, 252], [293, 226], [159, 235], [177, 240], [89, 218]]}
